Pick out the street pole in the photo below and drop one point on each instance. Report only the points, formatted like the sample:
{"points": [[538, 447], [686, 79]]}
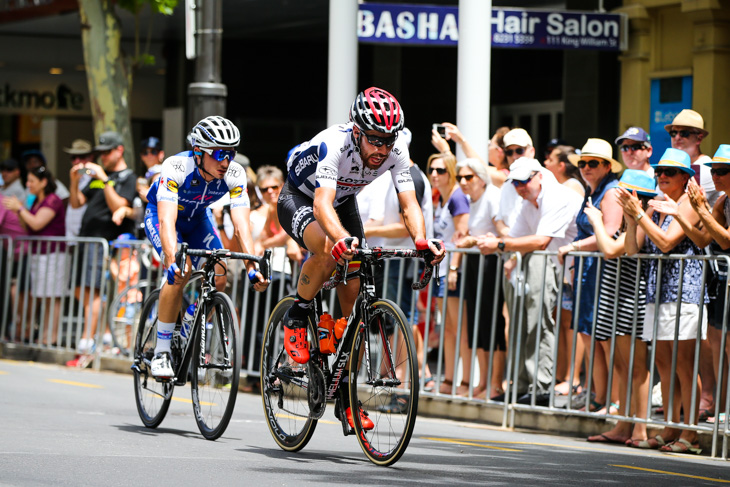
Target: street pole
{"points": [[207, 95]]}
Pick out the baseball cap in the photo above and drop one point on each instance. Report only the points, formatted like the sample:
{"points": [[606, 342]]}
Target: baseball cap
{"points": [[33, 153], [79, 147], [521, 169], [9, 165], [109, 140], [517, 137], [152, 143], [634, 133]]}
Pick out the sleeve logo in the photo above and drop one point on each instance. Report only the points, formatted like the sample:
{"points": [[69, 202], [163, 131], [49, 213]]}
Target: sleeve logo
{"points": [[171, 186], [236, 192]]}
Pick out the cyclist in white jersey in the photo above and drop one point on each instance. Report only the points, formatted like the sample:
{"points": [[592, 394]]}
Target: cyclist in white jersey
{"points": [[318, 209], [178, 212]]}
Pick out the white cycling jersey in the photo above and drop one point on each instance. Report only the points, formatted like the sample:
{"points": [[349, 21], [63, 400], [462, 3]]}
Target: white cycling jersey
{"points": [[330, 160]]}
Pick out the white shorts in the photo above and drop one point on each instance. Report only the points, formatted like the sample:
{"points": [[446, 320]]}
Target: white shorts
{"points": [[688, 320], [48, 275]]}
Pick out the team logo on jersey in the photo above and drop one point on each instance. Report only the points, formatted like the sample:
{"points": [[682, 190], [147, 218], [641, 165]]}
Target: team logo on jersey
{"points": [[178, 166], [171, 186], [233, 172], [180, 208], [194, 182], [236, 192]]}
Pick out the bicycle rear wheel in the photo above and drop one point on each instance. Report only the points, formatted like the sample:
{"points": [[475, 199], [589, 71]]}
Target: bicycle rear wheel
{"points": [[284, 386], [216, 368], [384, 383], [153, 398]]}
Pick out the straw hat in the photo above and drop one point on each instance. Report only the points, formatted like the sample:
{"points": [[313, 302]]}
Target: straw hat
{"points": [[79, 147], [597, 148], [688, 118]]}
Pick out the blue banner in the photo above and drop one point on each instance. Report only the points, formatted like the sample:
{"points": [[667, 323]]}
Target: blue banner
{"points": [[511, 28]]}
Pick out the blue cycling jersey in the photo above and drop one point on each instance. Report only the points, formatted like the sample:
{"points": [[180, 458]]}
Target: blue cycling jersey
{"points": [[180, 182]]}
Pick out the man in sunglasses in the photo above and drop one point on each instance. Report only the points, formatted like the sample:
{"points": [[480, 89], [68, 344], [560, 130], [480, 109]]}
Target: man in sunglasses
{"points": [[545, 220], [635, 147], [517, 144], [686, 132], [177, 211], [318, 209], [151, 154]]}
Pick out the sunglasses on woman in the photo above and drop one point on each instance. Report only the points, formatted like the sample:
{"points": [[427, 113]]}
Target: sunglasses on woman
{"points": [[220, 154], [723, 171], [593, 163], [439, 170], [468, 177], [669, 172], [519, 151]]}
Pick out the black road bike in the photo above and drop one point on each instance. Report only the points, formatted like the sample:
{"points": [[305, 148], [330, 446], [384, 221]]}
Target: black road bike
{"points": [[377, 355], [210, 358]]}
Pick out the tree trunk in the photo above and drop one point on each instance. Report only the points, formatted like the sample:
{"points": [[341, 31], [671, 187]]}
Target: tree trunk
{"points": [[108, 72]]}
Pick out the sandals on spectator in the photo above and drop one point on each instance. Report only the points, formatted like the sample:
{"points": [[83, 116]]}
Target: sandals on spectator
{"points": [[446, 386], [682, 446], [429, 384], [561, 389], [650, 444], [706, 413]]}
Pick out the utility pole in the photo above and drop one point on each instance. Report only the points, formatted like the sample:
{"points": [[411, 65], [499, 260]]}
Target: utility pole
{"points": [[207, 95]]}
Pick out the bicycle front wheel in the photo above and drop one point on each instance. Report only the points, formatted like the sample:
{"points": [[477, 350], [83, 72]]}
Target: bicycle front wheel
{"points": [[153, 398], [215, 367], [284, 386], [384, 383]]}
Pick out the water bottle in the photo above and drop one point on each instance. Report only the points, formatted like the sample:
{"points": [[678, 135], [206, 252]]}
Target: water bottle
{"points": [[187, 322]]}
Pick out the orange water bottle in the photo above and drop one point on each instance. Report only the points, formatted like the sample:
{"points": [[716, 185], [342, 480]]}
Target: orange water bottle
{"points": [[340, 326], [325, 330]]}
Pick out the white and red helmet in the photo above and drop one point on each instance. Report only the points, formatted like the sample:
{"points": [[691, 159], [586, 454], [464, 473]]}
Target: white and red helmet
{"points": [[376, 109]]}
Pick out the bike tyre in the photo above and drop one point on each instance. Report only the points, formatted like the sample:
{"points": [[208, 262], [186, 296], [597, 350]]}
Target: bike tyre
{"points": [[289, 424], [392, 409], [152, 397], [214, 390]]}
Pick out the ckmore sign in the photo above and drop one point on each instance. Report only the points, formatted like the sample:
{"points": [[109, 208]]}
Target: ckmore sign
{"points": [[511, 28]]}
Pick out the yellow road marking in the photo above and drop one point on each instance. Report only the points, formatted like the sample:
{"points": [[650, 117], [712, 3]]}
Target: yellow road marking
{"points": [[190, 401], [672, 473], [472, 443], [78, 384]]}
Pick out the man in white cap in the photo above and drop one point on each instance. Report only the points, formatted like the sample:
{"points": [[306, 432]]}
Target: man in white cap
{"points": [[687, 131], [517, 144], [545, 220], [80, 152]]}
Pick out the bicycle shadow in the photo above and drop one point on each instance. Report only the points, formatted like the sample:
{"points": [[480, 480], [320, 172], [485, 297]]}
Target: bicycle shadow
{"points": [[143, 430], [306, 456]]}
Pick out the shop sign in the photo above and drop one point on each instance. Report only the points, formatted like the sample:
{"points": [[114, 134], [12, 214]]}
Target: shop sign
{"points": [[511, 28], [60, 98]]}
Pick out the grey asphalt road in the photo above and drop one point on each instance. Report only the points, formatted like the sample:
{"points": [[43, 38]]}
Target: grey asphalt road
{"points": [[62, 426]]}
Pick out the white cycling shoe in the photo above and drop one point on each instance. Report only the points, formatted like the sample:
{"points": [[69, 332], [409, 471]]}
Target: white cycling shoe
{"points": [[161, 367]]}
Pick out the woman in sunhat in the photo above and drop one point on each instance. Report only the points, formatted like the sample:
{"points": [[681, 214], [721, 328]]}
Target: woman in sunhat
{"points": [[598, 169], [716, 222], [629, 314], [670, 227]]}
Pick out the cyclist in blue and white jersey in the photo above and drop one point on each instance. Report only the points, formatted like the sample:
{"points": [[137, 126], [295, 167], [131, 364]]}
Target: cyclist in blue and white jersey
{"points": [[178, 212], [318, 209]]}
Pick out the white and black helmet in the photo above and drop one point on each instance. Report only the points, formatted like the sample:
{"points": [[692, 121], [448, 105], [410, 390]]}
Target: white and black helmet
{"points": [[214, 131]]}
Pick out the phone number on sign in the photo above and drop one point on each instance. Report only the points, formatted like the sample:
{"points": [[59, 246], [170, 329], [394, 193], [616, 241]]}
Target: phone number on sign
{"points": [[498, 38]]}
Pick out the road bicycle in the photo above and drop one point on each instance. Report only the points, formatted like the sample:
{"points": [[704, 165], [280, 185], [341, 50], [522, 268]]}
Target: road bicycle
{"points": [[210, 358], [375, 357]]}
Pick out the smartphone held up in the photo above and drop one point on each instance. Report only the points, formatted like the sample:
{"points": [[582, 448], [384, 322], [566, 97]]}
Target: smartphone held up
{"points": [[441, 129]]}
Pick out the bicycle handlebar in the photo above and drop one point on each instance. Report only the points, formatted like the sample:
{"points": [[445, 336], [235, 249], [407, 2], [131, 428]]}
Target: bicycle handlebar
{"points": [[263, 261], [376, 254]]}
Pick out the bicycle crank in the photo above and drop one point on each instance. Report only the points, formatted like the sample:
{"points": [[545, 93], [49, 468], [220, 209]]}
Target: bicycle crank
{"points": [[316, 390]]}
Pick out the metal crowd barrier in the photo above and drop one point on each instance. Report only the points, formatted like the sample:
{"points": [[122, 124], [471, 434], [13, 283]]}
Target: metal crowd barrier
{"points": [[130, 270]]}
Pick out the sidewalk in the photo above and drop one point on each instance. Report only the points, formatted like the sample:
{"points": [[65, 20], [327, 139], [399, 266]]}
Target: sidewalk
{"points": [[549, 421]]}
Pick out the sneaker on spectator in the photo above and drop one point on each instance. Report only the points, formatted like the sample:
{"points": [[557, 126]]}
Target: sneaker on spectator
{"points": [[86, 345], [161, 367], [106, 340]]}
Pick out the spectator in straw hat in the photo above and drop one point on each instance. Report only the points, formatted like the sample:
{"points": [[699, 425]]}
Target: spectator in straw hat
{"points": [[79, 152], [599, 171], [687, 131]]}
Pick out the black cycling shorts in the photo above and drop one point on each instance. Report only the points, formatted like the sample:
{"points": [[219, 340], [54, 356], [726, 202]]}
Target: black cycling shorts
{"points": [[296, 212]]}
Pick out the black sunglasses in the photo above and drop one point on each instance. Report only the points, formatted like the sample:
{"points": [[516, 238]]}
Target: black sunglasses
{"points": [[149, 151], [667, 171], [723, 171], [468, 177], [517, 183], [381, 141], [439, 170], [682, 133], [632, 148], [264, 189], [593, 163], [519, 151]]}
